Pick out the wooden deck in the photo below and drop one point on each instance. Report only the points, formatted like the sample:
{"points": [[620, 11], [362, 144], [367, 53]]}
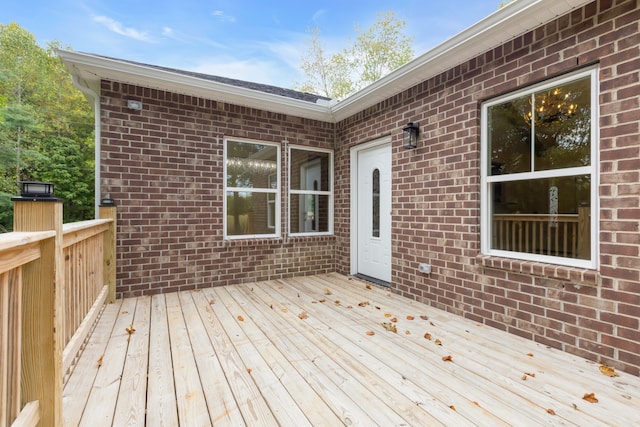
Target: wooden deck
{"points": [[314, 351]]}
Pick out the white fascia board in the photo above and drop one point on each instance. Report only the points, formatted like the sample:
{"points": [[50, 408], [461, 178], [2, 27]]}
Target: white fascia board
{"points": [[91, 69], [503, 25]]}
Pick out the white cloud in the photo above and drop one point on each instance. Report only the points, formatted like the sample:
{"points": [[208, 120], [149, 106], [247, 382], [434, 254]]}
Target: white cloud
{"points": [[223, 16], [118, 28]]}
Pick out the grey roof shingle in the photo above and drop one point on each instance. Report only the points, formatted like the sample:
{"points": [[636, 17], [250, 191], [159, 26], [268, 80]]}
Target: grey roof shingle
{"points": [[275, 90]]}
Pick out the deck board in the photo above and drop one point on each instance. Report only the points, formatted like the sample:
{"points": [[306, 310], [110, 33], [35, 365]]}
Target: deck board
{"points": [[286, 352]]}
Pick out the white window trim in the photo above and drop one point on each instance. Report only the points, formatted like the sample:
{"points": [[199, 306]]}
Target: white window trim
{"points": [[486, 180], [276, 191], [329, 193]]}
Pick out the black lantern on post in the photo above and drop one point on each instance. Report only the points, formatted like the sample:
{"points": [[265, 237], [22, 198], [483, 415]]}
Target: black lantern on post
{"points": [[410, 135], [37, 190]]}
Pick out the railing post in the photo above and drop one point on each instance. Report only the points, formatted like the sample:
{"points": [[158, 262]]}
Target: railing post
{"points": [[584, 232], [41, 373], [108, 211]]}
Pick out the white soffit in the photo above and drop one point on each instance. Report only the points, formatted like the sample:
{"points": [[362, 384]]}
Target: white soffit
{"points": [[511, 21]]}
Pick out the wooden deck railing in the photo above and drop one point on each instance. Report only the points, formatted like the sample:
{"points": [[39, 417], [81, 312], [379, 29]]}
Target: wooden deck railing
{"points": [[53, 281], [564, 235]]}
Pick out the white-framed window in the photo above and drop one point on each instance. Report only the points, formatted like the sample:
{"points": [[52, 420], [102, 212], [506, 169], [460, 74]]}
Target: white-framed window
{"points": [[539, 172], [310, 191], [252, 189]]}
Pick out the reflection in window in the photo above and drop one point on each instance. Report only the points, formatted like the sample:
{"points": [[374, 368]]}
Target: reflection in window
{"points": [[539, 172], [310, 192], [251, 187], [375, 205]]}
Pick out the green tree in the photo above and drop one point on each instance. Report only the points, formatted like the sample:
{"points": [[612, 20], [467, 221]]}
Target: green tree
{"points": [[374, 53], [46, 126]]}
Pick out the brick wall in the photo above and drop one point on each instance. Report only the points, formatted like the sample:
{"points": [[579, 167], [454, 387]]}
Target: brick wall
{"points": [[164, 168], [436, 188]]}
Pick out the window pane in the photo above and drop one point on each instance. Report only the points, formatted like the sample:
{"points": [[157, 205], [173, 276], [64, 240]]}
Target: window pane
{"points": [[509, 136], [375, 214], [249, 165], [309, 213], [310, 170], [248, 213], [542, 216], [563, 126]]}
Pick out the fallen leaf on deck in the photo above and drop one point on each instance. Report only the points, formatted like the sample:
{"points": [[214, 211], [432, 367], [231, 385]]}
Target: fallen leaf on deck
{"points": [[303, 315], [130, 329], [349, 306], [100, 361], [590, 397], [271, 306], [388, 315], [211, 302], [432, 324], [524, 378], [423, 317], [447, 358], [249, 370], [367, 286], [390, 327], [410, 317], [427, 336], [438, 342], [337, 302], [407, 332], [322, 300], [452, 408], [530, 374], [240, 318], [608, 371], [551, 412], [394, 320], [285, 310], [530, 354], [377, 307], [363, 303], [370, 333], [327, 291], [475, 403]]}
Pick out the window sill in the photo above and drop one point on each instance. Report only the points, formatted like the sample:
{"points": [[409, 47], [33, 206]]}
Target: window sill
{"points": [[575, 275]]}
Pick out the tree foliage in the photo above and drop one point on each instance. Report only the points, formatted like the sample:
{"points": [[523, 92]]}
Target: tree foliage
{"points": [[374, 53], [46, 126]]}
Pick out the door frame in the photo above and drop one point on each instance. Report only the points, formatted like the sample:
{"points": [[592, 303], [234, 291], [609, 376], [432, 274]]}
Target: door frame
{"points": [[354, 195]]}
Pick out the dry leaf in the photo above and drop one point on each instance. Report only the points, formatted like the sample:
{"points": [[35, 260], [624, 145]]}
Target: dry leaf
{"points": [[590, 397], [551, 412], [367, 286], [608, 371], [370, 333], [240, 318], [410, 317], [271, 306], [530, 374], [407, 332], [475, 403], [452, 407], [327, 291], [337, 302], [447, 358], [432, 324], [394, 320], [349, 306], [303, 315], [100, 361], [524, 378], [423, 317], [377, 307], [363, 303], [130, 329], [427, 336], [438, 342], [285, 310], [211, 302], [530, 354], [390, 327], [322, 300], [388, 315], [249, 370]]}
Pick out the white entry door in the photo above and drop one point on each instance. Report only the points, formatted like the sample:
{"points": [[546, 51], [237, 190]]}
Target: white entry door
{"points": [[372, 202]]}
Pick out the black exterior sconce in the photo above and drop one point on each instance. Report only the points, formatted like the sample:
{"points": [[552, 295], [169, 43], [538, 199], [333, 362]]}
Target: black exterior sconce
{"points": [[410, 136]]}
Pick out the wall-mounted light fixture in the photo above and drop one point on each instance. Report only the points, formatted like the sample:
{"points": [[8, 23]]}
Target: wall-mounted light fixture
{"points": [[134, 105], [410, 135]]}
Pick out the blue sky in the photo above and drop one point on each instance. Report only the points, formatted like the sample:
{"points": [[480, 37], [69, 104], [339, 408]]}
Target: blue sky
{"points": [[260, 41]]}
